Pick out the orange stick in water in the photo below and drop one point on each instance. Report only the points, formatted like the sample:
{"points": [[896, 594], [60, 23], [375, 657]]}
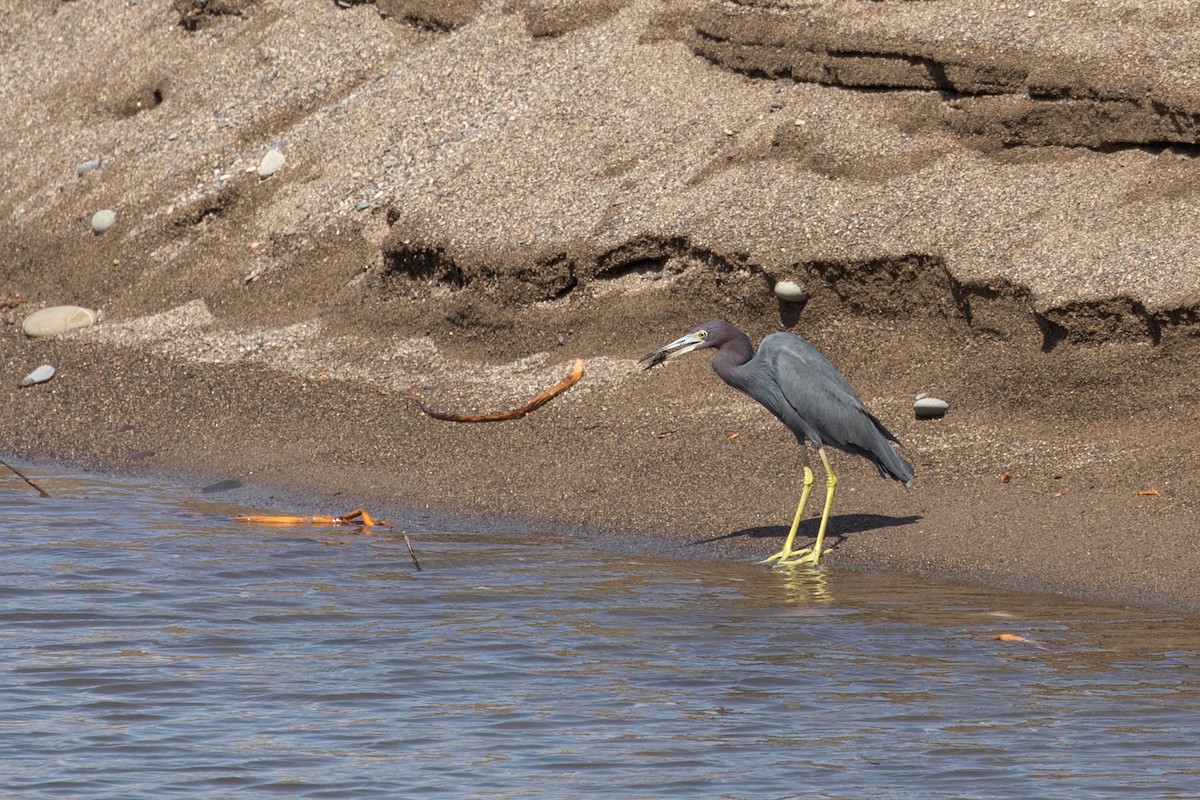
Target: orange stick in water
{"points": [[358, 516], [1012, 637]]}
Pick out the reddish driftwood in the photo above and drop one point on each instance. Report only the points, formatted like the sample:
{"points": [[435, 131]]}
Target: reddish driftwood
{"points": [[516, 413]]}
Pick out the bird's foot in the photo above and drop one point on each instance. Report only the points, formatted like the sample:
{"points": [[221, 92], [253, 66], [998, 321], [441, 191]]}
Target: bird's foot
{"points": [[793, 558]]}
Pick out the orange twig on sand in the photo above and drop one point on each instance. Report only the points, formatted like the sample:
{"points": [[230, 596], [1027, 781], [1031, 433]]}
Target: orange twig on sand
{"points": [[516, 413], [358, 516], [1148, 493]]}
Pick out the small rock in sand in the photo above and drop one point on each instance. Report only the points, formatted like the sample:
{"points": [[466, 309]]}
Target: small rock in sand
{"points": [[40, 375], [790, 291], [57, 319], [270, 163], [930, 408], [102, 220]]}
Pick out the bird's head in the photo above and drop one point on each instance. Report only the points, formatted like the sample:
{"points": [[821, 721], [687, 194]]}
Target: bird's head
{"points": [[698, 338]]}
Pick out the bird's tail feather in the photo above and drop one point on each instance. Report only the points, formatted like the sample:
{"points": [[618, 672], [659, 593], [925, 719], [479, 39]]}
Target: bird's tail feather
{"points": [[892, 465]]}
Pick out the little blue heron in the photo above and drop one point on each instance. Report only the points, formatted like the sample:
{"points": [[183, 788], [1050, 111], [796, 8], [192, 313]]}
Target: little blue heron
{"points": [[794, 381]]}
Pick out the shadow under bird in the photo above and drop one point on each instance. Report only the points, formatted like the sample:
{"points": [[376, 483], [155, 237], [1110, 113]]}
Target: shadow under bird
{"points": [[793, 380]]}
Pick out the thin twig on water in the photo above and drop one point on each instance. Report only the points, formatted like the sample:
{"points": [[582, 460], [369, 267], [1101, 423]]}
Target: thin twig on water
{"points": [[411, 553], [21, 475]]}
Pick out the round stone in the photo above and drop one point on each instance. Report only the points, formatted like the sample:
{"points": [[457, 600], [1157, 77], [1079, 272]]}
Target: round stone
{"points": [[930, 408], [40, 375], [790, 292], [57, 319], [103, 219], [270, 163]]}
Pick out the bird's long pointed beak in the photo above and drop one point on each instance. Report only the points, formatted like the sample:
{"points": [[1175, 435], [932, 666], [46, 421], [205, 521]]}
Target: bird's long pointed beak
{"points": [[684, 344]]}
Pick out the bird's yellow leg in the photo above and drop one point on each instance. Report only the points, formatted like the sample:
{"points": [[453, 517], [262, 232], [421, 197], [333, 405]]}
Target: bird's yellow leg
{"points": [[810, 555], [786, 553], [830, 485]]}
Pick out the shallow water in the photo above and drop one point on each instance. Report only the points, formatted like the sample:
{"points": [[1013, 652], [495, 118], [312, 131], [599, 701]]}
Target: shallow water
{"points": [[152, 647]]}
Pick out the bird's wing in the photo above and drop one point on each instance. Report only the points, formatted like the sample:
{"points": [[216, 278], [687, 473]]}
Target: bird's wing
{"points": [[826, 407]]}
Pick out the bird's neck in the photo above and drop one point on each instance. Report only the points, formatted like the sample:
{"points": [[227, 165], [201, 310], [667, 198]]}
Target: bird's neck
{"points": [[731, 356]]}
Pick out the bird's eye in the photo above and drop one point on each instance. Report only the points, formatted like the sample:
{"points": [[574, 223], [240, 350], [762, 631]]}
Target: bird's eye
{"points": [[702, 334]]}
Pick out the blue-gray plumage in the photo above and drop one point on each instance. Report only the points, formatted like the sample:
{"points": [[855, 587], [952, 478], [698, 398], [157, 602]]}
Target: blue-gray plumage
{"points": [[794, 381]]}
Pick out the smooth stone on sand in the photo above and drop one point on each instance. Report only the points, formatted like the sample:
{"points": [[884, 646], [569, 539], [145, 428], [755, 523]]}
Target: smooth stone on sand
{"points": [[40, 375], [790, 291], [103, 219], [930, 408], [91, 165], [58, 319], [270, 163]]}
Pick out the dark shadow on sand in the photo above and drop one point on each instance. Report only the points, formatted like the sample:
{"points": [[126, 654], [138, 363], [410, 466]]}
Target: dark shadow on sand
{"points": [[840, 526]]}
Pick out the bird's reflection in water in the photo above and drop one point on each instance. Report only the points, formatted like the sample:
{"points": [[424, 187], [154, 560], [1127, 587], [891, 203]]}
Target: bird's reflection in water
{"points": [[804, 586]]}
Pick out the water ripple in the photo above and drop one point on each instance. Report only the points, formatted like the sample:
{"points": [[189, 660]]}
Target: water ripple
{"points": [[153, 648]]}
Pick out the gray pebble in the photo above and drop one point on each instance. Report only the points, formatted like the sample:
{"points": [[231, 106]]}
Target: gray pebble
{"points": [[270, 163], [84, 167], [57, 319], [103, 219], [40, 375], [790, 292], [930, 408]]}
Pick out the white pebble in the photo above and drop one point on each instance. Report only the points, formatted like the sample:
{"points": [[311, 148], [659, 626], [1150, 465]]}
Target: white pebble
{"points": [[40, 375], [103, 219], [57, 319], [270, 163], [790, 291], [930, 408]]}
